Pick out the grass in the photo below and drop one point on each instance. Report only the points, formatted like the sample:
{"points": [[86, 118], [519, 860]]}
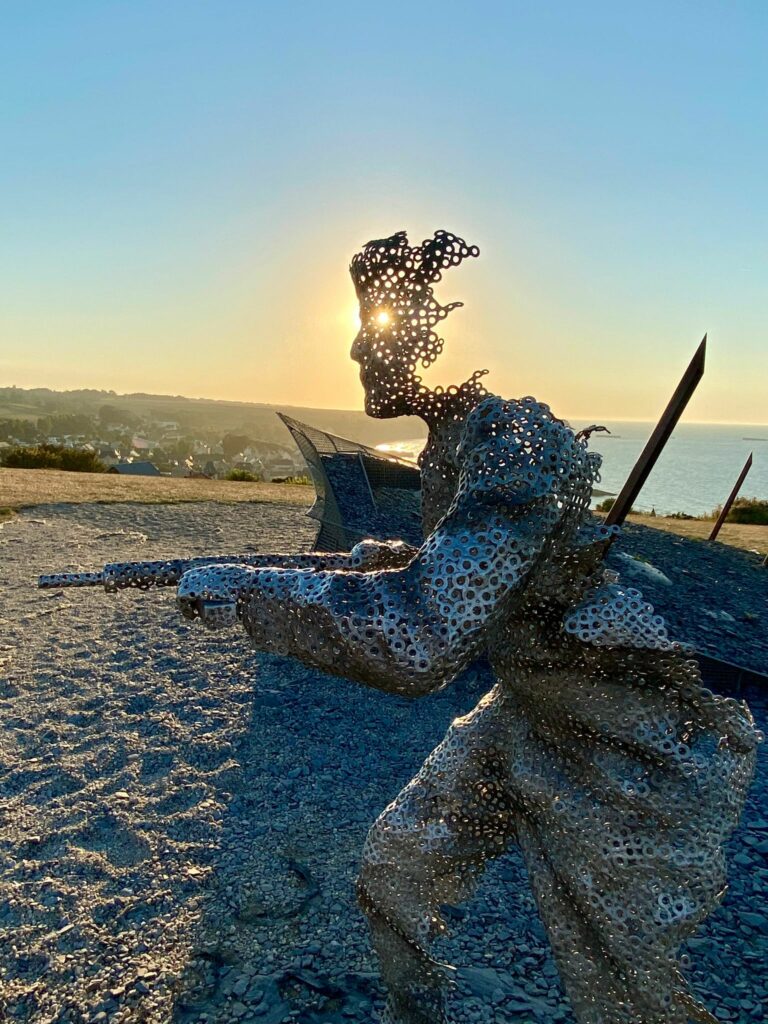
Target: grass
{"points": [[6, 513], [242, 476], [749, 533], [737, 535], [52, 456], [749, 511], [19, 411], [25, 488]]}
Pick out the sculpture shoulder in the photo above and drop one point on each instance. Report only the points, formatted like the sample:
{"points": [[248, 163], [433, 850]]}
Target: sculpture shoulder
{"points": [[517, 451]]}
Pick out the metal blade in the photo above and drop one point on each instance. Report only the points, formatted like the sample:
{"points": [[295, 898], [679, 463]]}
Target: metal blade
{"points": [[731, 498], [659, 437]]}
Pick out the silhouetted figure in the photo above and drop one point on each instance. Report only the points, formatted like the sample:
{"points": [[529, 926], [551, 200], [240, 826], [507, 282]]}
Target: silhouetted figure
{"points": [[597, 752]]}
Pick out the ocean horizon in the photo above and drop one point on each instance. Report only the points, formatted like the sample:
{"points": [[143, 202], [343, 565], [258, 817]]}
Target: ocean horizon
{"points": [[694, 474]]}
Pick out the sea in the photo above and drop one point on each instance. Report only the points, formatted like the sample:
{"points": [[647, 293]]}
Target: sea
{"points": [[695, 473]]}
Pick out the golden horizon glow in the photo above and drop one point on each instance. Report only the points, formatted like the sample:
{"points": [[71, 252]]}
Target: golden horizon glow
{"points": [[265, 343]]}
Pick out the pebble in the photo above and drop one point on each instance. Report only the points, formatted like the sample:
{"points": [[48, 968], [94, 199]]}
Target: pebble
{"points": [[757, 921]]}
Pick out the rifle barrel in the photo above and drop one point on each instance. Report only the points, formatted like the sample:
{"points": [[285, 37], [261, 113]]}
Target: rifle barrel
{"points": [[661, 434], [71, 579], [141, 575]]}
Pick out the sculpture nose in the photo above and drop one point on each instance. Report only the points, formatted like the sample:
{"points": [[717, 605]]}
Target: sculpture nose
{"points": [[358, 347]]}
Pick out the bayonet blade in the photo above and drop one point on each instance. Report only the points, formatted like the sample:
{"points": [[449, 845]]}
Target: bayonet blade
{"points": [[661, 433]]}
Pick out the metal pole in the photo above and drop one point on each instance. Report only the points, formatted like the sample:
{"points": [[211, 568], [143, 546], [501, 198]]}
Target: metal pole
{"points": [[655, 444], [731, 498]]}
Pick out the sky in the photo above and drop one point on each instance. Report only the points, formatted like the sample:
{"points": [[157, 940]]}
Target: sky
{"points": [[182, 185]]}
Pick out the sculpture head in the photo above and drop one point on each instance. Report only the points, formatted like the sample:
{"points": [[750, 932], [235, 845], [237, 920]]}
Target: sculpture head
{"points": [[398, 315]]}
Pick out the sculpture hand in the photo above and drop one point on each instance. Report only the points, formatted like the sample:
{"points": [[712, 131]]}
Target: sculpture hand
{"points": [[371, 554], [214, 594]]}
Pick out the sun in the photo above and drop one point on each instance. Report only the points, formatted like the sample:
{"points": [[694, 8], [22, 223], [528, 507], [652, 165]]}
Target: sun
{"points": [[352, 316]]}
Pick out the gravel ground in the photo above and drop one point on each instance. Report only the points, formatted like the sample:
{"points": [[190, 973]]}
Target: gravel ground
{"points": [[181, 820], [712, 596]]}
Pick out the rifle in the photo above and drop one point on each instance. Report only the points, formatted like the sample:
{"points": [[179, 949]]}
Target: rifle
{"points": [[144, 575], [661, 434]]}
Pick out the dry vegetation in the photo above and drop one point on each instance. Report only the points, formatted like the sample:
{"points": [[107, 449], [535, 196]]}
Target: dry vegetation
{"points": [[738, 535], [22, 488]]}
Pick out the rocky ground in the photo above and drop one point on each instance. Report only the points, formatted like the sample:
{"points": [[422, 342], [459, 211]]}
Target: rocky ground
{"points": [[181, 820], [747, 536], [712, 596]]}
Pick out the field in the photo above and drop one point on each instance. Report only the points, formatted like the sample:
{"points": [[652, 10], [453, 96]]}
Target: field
{"points": [[738, 535], [22, 488], [201, 416]]}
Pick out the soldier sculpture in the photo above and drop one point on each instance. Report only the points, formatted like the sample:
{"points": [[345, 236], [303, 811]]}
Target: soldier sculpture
{"points": [[597, 752]]}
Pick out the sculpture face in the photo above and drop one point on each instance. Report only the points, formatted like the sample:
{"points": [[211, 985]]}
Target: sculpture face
{"points": [[398, 314]]}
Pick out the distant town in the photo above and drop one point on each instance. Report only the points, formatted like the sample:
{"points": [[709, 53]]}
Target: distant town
{"points": [[153, 435], [163, 450]]}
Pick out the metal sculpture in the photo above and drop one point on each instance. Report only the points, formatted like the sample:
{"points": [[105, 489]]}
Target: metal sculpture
{"points": [[597, 751], [731, 498], [662, 432], [360, 492]]}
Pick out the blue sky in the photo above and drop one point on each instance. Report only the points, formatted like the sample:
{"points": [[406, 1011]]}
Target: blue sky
{"points": [[182, 186]]}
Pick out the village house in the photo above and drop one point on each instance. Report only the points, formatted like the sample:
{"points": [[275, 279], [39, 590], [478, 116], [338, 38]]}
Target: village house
{"points": [[135, 469], [108, 455]]}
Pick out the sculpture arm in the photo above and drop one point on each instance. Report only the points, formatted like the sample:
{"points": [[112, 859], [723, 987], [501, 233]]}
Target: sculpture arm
{"points": [[524, 484], [409, 630], [365, 556]]}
